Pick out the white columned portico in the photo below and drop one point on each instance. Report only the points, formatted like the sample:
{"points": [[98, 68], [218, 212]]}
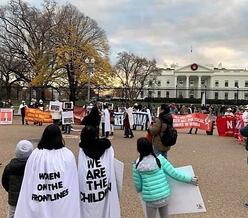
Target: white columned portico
{"points": [[187, 86], [199, 87], [175, 86], [211, 85]]}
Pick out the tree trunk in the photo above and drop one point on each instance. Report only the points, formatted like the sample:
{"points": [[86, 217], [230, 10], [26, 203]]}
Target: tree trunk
{"points": [[72, 96], [8, 91]]}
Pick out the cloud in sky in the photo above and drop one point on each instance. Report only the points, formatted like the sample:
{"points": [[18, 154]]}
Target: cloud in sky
{"points": [[165, 30]]}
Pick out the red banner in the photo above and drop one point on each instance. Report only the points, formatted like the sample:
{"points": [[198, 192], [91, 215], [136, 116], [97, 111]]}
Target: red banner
{"points": [[238, 125], [79, 114], [195, 120], [230, 126]]}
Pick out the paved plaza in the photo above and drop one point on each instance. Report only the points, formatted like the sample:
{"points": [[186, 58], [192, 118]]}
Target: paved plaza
{"points": [[220, 164]]}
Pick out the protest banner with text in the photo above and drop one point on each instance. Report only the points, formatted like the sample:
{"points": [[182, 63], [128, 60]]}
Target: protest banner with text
{"points": [[229, 126], [37, 115], [195, 120]]}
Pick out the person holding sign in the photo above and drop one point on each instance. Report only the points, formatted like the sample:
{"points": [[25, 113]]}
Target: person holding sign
{"points": [[149, 177], [21, 111], [50, 183], [97, 179]]}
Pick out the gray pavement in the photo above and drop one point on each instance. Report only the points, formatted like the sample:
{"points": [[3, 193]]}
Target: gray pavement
{"points": [[219, 162]]}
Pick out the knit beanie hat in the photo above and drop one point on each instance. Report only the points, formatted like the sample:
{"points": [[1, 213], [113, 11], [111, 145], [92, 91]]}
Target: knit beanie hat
{"points": [[23, 149]]}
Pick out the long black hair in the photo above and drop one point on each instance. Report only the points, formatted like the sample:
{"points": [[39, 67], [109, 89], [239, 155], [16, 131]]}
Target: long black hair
{"points": [[92, 146], [145, 148], [88, 136], [51, 138], [93, 118]]}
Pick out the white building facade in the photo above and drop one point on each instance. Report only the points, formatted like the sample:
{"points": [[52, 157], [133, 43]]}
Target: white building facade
{"points": [[193, 80]]}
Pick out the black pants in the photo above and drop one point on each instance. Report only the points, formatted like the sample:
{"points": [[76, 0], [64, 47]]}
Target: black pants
{"points": [[23, 119], [103, 129], [67, 128], [107, 134], [190, 131], [128, 132]]}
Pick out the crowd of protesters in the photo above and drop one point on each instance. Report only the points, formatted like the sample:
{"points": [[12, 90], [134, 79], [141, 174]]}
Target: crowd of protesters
{"points": [[95, 148], [51, 158]]}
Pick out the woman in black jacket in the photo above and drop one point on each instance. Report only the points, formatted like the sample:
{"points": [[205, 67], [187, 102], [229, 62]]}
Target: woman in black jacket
{"points": [[93, 119]]}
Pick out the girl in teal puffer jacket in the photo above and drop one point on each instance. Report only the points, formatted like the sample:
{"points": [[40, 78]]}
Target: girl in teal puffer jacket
{"points": [[149, 177]]}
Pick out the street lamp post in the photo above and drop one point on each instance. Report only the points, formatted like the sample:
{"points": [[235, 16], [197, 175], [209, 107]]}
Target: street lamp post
{"points": [[90, 71]]}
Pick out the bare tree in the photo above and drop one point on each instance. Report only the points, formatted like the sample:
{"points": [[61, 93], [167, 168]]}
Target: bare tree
{"points": [[134, 73], [9, 69], [25, 32]]}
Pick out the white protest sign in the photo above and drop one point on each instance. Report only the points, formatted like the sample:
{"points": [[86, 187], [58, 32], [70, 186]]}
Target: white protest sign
{"points": [[140, 118], [119, 170], [67, 117], [6, 116], [185, 198], [55, 106], [68, 105], [118, 118]]}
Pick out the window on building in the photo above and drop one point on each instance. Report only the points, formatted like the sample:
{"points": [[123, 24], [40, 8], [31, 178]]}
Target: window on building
{"points": [[216, 83], [180, 82], [191, 83], [150, 83], [159, 83], [226, 83], [167, 94], [203, 82], [246, 83], [142, 94], [236, 95], [236, 84], [216, 95], [168, 82], [180, 94], [150, 94], [246, 96], [226, 95], [159, 94]]}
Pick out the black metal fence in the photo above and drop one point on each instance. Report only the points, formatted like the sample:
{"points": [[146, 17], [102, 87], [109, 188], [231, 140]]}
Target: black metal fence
{"points": [[180, 95]]}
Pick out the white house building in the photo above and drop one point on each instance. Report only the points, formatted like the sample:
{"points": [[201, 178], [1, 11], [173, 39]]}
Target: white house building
{"points": [[193, 80]]}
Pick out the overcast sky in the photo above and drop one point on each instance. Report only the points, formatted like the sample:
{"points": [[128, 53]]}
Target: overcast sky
{"points": [[217, 30]]}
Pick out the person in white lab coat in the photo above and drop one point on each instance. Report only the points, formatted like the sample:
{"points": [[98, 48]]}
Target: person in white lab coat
{"points": [[107, 126]]}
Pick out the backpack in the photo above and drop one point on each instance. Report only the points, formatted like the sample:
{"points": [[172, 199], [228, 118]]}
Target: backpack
{"points": [[168, 136]]}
